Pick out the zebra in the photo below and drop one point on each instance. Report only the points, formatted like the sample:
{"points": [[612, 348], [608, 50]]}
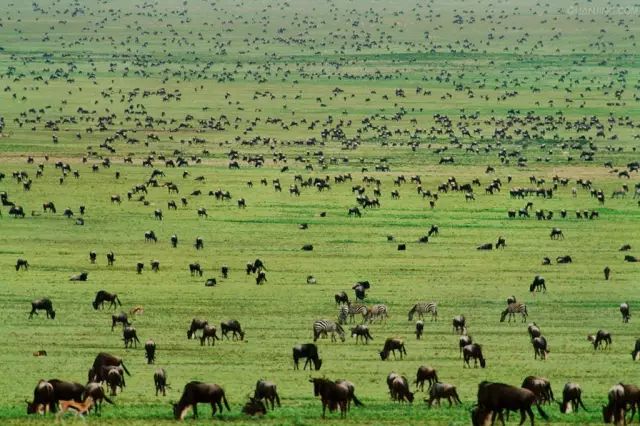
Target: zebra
{"points": [[343, 313], [422, 308], [512, 310], [325, 327], [356, 308], [377, 312]]}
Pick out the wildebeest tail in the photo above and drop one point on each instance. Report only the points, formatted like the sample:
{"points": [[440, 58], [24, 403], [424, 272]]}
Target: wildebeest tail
{"points": [[542, 413], [118, 300], [357, 402], [125, 368], [582, 404], [106, 398], [226, 404]]}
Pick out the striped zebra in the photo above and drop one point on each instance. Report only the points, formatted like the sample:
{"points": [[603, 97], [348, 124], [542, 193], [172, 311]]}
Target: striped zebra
{"points": [[422, 308], [379, 312], [355, 309], [343, 314], [324, 327], [512, 310]]}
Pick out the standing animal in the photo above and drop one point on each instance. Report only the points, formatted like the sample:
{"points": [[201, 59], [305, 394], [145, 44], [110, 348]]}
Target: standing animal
{"points": [[120, 318], [426, 374], [209, 335], [419, 329], [267, 391], [399, 388], [103, 296], [234, 327], [22, 264], [538, 284], [196, 324], [474, 351], [624, 310], [616, 408], [95, 391], [459, 324], [308, 351], [335, 394], [463, 341], [493, 398], [512, 310], [194, 269], [599, 338], [422, 308], [571, 398], [635, 354], [324, 327], [130, 337], [43, 398], [540, 347], [361, 332], [198, 392], [355, 309], [377, 311], [534, 330], [160, 381], [360, 289], [65, 391], [150, 351], [391, 345], [556, 234], [541, 387], [341, 298], [443, 390], [104, 359], [42, 305], [79, 408], [607, 273]]}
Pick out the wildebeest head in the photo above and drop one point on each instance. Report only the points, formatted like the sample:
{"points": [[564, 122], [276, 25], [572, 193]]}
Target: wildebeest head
{"points": [[52, 313]]}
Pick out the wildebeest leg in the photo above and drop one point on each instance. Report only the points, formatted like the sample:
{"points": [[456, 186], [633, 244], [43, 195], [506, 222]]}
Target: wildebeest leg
{"points": [[324, 407], [195, 410], [307, 362], [33, 311]]}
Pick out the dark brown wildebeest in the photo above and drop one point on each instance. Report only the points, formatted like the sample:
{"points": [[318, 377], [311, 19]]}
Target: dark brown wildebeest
{"points": [[391, 345], [459, 324], [82, 276], [111, 258], [433, 231], [209, 334], [155, 265], [474, 351], [635, 354], [624, 310], [307, 247], [533, 330], [150, 351], [556, 234], [65, 391], [341, 298], [211, 282], [139, 267], [234, 327], [631, 259], [419, 329], [607, 273], [130, 337], [115, 199], [334, 395], [308, 351], [16, 211], [501, 243], [174, 241], [93, 256], [194, 269], [242, 203], [538, 284], [463, 341], [104, 359], [224, 270], [22, 263], [354, 211], [399, 388], [600, 337], [361, 332], [267, 391], [120, 318], [426, 374], [43, 398], [150, 236], [541, 387], [157, 214], [443, 390], [571, 398], [493, 398], [104, 296], [160, 381], [254, 407], [49, 206], [616, 409], [261, 278], [196, 324], [198, 392], [487, 246], [42, 305], [95, 391], [402, 247], [114, 380]]}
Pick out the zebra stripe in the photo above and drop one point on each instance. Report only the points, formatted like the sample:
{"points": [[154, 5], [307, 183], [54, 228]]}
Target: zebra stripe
{"points": [[355, 309], [422, 308], [324, 327], [379, 312], [343, 313], [513, 309]]}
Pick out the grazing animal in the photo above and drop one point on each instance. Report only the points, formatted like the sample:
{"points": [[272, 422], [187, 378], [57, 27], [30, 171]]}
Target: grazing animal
{"points": [[556, 234], [599, 338], [443, 390], [512, 310], [463, 341], [104, 359], [399, 388], [209, 334], [493, 398], [571, 398], [42, 305], [541, 387], [426, 374], [459, 324], [616, 409], [324, 327], [254, 407], [391, 345], [150, 236], [120, 318], [130, 337], [95, 391], [150, 351], [160, 381], [198, 392], [361, 332], [335, 394], [564, 259], [538, 284], [111, 258], [22, 264], [419, 329], [624, 310], [422, 308], [261, 278], [103, 296], [234, 327], [267, 391], [308, 351], [43, 398], [196, 324], [607, 273], [155, 265], [355, 309], [635, 354], [501, 243], [474, 351], [65, 391], [194, 269]]}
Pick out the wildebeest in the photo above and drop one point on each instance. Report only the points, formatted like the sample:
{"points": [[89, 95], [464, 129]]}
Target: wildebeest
{"points": [[43, 398], [174, 241], [459, 324], [209, 334], [224, 270], [307, 247], [419, 329], [139, 267], [196, 324], [631, 259], [150, 236], [474, 351], [198, 392], [360, 289], [399, 388], [391, 345], [111, 258], [42, 305], [624, 310], [96, 392], [155, 265], [120, 318], [93, 256], [599, 338], [79, 277], [22, 263], [194, 269], [232, 326], [211, 282], [334, 394], [443, 390], [354, 211], [533, 330], [160, 381], [571, 398], [493, 398], [308, 351], [130, 337], [607, 273], [341, 298], [104, 296], [487, 246], [150, 351], [49, 206], [501, 243], [361, 332], [65, 391], [254, 407], [104, 359], [556, 234], [426, 374], [538, 284], [616, 408], [463, 341], [261, 278], [267, 391], [541, 387], [564, 259]]}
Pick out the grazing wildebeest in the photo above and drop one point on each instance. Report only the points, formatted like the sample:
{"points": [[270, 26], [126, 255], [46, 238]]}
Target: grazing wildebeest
{"points": [[232, 326], [600, 337], [625, 247], [202, 212], [501, 243], [433, 230], [564, 259], [354, 211], [459, 324], [616, 409], [487, 246], [93, 256], [224, 270], [361, 332], [96, 392], [16, 211], [130, 337], [43, 398], [426, 374], [399, 388], [391, 345], [334, 395], [80, 277], [307, 247], [419, 329], [308, 351], [155, 265], [261, 278], [194, 269], [624, 310], [196, 324], [114, 380], [512, 310], [493, 398], [541, 387], [22, 263], [115, 199], [474, 351], [139, 267], [607, 273], [538, 284], [160, 381], [571, 398], [174, 241], [150, 236], [267, 391], [49, 206], [65, 391], [463, 341], [341, 298], [102, 363], [42, 305], [443, 390], [111, 258], [198, 392], [157, 214], [104, 296], [199, 244], [546, 261], [209, 334], [402, 247], [150, 351], [120, 318], [556, 234]]}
